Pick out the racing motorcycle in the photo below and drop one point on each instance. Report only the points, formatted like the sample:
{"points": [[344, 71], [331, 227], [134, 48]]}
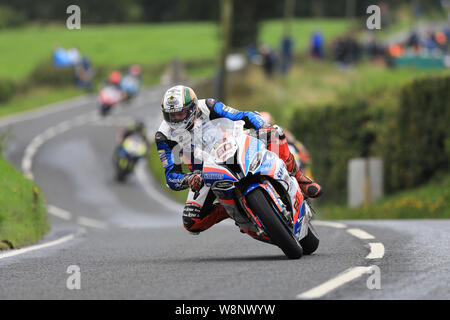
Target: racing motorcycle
{"points": [[254, 186], [108, 97], [127, 155], [130, 86]]}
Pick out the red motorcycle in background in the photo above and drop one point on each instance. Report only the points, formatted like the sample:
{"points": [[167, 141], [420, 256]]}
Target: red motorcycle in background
{"points": [[108, 97]]}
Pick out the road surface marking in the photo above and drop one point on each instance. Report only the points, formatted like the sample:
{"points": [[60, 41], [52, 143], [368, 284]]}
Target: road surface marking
{"points": [[58, 212], [16, 252], [93, 223], [332, 284], [361, 234], [329, 224], [376, 251]]}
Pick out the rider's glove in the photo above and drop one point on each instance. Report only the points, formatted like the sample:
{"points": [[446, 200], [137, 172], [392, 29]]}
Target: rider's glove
{"points": [[194, 181]]}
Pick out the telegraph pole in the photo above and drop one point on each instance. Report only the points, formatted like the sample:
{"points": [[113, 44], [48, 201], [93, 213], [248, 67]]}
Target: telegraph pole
{"points": [[289, 7], [350, 8], [226, 17]]}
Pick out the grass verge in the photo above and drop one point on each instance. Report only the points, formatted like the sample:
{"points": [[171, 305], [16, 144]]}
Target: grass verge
{"points": [[37, 97], [431, 201], [23, 217]]}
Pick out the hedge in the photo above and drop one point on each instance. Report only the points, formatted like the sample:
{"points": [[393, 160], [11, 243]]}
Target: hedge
{"points": [[407, 128], [7, 88]]}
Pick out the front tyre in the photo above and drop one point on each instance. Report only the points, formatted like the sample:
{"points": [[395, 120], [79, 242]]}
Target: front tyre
{"points": [[278, 232], [121, 175], [105, 109]]}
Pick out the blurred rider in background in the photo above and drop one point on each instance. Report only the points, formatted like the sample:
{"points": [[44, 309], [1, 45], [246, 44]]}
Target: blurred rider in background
{"points": [[137, 128], [114, 79], [131, 81]]}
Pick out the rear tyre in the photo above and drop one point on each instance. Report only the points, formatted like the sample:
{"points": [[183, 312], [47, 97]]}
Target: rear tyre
{"points": [[277, 230], [310, 243]]}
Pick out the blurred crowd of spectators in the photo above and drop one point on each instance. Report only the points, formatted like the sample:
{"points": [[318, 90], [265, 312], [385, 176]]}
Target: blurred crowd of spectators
{"points": [[426, 43], [423, 44], [429, 42], [72, 58]]}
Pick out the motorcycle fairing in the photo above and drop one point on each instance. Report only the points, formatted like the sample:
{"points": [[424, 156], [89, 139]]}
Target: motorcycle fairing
{"points": [[252, 147], [213, 173]]}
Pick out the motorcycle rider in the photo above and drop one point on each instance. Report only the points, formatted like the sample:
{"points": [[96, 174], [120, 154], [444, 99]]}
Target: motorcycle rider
{"points": [[183, 111], [130, 81], [138, 128], [297, 148], [114, 79]]}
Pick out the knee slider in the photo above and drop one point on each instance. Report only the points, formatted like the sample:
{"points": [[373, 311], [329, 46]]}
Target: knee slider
{"points": [[190, 212]]}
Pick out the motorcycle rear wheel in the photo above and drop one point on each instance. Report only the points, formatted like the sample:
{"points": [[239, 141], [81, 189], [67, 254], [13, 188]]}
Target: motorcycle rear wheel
{"points": [[277, 230]]}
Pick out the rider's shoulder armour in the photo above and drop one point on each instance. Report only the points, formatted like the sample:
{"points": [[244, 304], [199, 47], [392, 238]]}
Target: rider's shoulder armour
{"points": [[160, 137], [210, 103], [204, 106], [163, 132]]}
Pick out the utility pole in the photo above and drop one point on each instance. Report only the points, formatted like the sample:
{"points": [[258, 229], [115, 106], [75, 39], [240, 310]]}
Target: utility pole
{"points": [[289, 8], [226, 17], [350, 8]]}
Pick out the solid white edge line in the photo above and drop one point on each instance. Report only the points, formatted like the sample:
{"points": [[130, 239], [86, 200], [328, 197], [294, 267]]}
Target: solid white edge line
{"points": [[332, 284], [16, 252], [376, 251], [361, 234]]}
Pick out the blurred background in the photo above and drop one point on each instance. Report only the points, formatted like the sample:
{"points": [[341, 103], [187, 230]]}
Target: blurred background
{"points": [[379, 99]]}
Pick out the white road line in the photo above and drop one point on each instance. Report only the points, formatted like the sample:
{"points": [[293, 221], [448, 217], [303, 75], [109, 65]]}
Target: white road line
{"points": [[376, 251], [332, 284], [93, 223], [154, 193], [16, 252], [329, 224], [361, 234], [58, 212]]}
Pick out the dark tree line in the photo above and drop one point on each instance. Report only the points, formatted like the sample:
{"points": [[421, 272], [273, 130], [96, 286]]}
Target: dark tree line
{"points": [[246, 14], [101, 11]]}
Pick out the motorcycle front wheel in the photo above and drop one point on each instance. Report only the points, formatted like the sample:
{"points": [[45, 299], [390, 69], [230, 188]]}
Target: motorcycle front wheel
{"points": [[105, 109], [273, 225], [121, 175]]}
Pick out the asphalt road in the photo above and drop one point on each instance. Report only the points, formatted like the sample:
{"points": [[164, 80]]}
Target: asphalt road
{"points": [[129, 243]]}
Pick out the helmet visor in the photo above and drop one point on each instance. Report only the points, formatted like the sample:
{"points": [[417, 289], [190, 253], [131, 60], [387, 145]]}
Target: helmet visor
{"points": [[178, 116]]}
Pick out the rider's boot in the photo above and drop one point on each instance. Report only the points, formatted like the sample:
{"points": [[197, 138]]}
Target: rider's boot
{"points": [[197, 224], [277, 142], [309, 187]]}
